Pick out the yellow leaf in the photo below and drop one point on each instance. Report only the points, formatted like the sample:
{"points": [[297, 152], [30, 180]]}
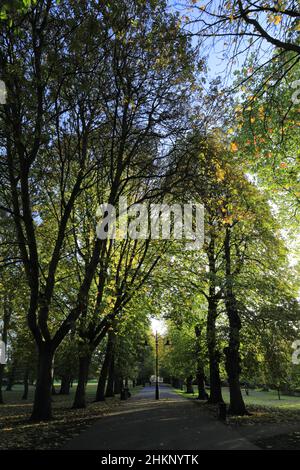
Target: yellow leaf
{"points": [[277, 19], [228, 219], [220, 173], [233, 147]]}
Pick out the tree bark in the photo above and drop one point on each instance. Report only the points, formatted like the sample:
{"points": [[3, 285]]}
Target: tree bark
{"points": [[189, 384], [200, 377], [111, 366], [11, 378], [42, 398], [80, 395], [100, 394], [65, 385], [118, 384], [111, 377], [232, 362], [215, 395], [202, 395]]}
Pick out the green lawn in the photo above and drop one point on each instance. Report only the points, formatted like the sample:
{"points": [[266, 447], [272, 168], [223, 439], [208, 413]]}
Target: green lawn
{"points": [[259, 398], [16, 394], [269, 399], [16, 432]]}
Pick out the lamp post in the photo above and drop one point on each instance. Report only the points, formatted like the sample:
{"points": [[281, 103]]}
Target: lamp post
{"points": [[156, 371], [156, 364]]}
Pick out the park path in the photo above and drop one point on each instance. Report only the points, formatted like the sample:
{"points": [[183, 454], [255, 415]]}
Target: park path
{"points": [[172, 423]]}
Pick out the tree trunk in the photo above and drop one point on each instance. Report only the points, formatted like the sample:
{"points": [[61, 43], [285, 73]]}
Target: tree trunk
{"points": [[232, 362], [111, 377], [65, 385], [80, 395], [11, 378], [189, 384], [111, 366], [278, 393], [200, 369], [42, 410], [213, 355], [100, 394], [202, 395], [118, 385], [26, 384], [215, 395]]}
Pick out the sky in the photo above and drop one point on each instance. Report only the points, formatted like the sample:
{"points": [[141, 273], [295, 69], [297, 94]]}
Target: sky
{"points": [[159, 326]]}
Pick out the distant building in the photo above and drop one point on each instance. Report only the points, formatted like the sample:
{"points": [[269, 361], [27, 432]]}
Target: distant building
{"points": [[153, 379]]}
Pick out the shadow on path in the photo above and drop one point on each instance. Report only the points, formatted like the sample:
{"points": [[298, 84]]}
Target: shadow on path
{"points": [[172, 423]]}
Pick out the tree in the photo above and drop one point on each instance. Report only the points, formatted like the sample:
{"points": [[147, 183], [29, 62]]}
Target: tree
{"points": [[246, 28], [268, 134], [44, 120], [179, 359], [146, 107]]}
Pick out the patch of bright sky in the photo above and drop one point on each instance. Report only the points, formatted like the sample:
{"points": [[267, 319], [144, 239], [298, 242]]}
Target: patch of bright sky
{"points": [[292, 243], [219, 51], [158, 325], [252, 178]]}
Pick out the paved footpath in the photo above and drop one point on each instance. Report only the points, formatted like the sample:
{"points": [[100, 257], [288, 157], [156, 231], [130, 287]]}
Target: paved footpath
{"points": [[172, 423]]}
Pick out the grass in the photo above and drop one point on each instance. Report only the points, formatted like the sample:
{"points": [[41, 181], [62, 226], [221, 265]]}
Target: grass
{"points": [[257, 397], [264, 407], [16, 432], [268, 399]]}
